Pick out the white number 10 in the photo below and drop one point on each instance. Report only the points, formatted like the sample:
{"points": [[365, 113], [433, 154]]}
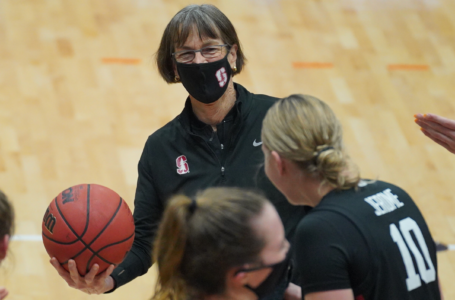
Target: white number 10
{"points": [[428, 275]]}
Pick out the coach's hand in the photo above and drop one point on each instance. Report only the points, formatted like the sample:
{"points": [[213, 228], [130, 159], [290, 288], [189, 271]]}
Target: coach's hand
{"points": [[90, 283], [439, 129]]}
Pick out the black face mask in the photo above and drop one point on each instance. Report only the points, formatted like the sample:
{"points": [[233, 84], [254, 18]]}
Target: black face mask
{"points": [[279, 273], [206, 82]]}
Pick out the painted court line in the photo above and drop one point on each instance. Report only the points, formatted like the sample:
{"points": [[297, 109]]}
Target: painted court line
{"points": [[121, 61], [408, 67], [38, 238], [328, 65], [27, 238], [312, 65]]}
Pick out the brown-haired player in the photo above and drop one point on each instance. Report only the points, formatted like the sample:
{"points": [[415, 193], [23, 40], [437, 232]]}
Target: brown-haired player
{"points": [[6, 230], [225, 243]]}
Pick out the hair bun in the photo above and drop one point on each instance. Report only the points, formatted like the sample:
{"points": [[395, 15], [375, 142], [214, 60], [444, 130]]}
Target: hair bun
{"points": [[321, 149]]}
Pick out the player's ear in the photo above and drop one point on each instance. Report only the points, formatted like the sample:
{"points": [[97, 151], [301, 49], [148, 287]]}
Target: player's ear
{"points": [[278, 161], [4, 246], [236, 279]]}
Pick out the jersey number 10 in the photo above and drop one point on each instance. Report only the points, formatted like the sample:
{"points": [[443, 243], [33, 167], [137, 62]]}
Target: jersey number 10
{"points": [[427, 274]]}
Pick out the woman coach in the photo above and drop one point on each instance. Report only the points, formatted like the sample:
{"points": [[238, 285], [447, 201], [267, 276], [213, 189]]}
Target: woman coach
{"points": [[215, 141]]}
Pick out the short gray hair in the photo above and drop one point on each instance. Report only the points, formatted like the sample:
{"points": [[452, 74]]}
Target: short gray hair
{"points": [[209, 22]]}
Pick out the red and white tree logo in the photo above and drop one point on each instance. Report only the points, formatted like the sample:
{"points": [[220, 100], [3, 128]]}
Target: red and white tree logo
{"points": [[221, 76], [182, 165]]}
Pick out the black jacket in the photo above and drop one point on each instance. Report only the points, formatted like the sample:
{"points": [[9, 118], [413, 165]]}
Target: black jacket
{"points": [[182, 157]]}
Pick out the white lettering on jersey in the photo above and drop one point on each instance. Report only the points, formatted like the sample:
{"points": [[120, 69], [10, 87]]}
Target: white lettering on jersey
{"points": [[384, 202], [425, 266]]}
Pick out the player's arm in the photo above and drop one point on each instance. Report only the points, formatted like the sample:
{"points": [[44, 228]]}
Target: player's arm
{"points": [[322, 258], [345, 294]]}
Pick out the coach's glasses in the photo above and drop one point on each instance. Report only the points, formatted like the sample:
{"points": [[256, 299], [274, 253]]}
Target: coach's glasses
{"points": [[186, 56]]}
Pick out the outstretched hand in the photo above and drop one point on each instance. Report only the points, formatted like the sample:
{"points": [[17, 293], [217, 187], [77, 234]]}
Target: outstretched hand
{"points": [[439, 129], [3, 292], [90, 283]]}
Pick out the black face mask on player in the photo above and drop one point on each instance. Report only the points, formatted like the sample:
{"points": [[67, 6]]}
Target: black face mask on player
{"points": [[206, 82], [280, 271]]}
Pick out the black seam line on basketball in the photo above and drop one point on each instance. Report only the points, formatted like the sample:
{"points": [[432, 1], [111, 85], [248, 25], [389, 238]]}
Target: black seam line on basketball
{"points": [[72, 230], [51, 239], [88, 246], [69, 243], [79, 238], [86, 223], [88, 211], [96, 253], [57, 242]]}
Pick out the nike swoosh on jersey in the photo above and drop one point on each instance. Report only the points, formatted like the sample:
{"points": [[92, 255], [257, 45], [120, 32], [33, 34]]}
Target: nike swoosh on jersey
{"points": [[257, 144]]}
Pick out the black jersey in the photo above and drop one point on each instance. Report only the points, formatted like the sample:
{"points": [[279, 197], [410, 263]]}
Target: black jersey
{"points": [[372, 240]]}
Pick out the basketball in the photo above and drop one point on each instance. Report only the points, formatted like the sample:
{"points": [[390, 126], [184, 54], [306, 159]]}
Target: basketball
{"points": [[89, 223]]}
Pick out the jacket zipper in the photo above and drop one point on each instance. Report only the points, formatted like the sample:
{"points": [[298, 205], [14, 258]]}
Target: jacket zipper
{"points": [[213, 152]]}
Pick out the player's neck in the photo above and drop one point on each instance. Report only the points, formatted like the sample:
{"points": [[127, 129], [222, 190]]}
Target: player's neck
{"points": [[214, 113], [312, 190], [319, 191]]}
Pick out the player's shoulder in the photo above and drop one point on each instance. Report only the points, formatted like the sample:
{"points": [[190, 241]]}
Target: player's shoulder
{"points": [[368, 188], [383, 196], [323, 225], [325, 220]]}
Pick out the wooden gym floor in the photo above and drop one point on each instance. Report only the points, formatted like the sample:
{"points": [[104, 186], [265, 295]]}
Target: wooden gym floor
{"points": [[79, 94]]}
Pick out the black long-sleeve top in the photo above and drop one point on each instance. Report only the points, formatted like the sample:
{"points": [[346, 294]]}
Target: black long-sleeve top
{"points": [[186, 156]]}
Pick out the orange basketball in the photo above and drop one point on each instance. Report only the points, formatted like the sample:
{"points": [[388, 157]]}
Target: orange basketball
{"points": [[89, 223]]}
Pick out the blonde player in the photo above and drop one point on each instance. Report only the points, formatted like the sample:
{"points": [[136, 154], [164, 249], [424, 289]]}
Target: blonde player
{"points": [[362, 239]]}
